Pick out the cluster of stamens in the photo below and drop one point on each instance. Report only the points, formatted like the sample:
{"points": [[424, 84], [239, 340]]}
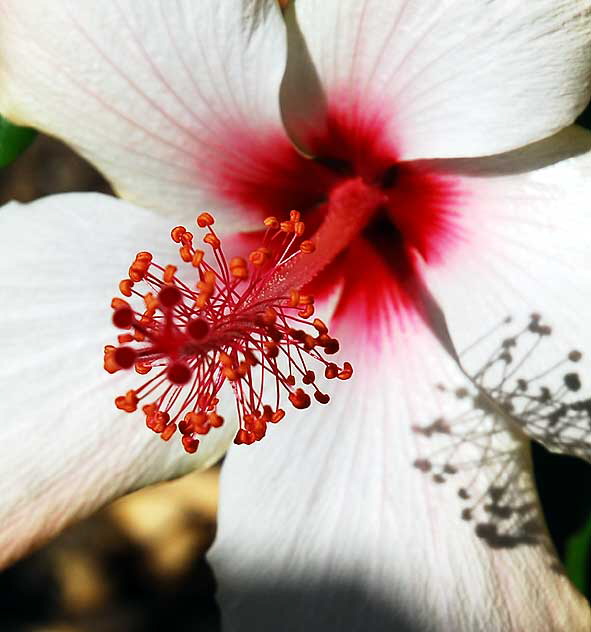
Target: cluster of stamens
{"points": [[230, 326]]}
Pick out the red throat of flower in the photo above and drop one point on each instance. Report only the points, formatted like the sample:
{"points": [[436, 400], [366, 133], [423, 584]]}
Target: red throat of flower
{"points": [[243, 321]]}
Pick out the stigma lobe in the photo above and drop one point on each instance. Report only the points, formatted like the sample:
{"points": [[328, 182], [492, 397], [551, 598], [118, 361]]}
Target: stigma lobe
{"points": [[233, 324]]}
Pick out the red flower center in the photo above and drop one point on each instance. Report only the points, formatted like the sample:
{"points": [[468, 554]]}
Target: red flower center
{"points": [[403, 211]]}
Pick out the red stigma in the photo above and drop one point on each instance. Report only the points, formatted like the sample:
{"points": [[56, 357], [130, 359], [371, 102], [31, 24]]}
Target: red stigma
{"points": [[178, 373], [122, 317], [169, 296], [198, 328], [125, 357], [231, 323]]}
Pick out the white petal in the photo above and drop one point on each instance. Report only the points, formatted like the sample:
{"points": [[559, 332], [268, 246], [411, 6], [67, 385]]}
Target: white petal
{"points": [[326, 525], [65, 449], [445, 79], [170, 100], [525, 248]]}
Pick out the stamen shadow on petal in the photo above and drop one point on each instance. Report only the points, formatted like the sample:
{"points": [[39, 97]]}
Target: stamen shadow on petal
{"points": [[519, 391], [496, 488], [534, 384]]}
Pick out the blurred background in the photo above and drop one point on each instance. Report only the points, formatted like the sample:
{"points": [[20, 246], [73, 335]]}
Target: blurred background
{"points": [[138, 565]]}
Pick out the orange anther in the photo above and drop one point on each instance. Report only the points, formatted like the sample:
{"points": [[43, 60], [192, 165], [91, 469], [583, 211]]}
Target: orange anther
{"points": [[124, 338], [142, 368], [201, 300], [215, 420], [150, 301], [186, 254], [243, 437], [109, 360], [157, 421], [125, 287], [267, 412], [331, 371], [168, 274], [319, 326], [307, 247], [231, 374], [237, 262], [185, 425], [299, 228], [331, 346], [206, 288], [294, 216], [202, 429], [286, 227], [309, 377], [198, 419], [212, 240], [168, 432], [149, 409], [192, 422], [127, 402], [240, 273], [299, 399], [138, 270], [259, 256], [294, 298], [322, 398], [259, 428], [190, 444], [277, 416], [119, 303], [197, 258], [306, 299], [238, 268], [139, 267], [177, 232], [271, 222], [187, 238], [225, 359], [307, 311], [347, 372], [204, 220]]}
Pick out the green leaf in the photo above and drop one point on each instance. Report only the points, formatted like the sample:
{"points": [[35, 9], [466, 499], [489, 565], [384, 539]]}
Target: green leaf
{"points": [[13, 141], [576, 558]]}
